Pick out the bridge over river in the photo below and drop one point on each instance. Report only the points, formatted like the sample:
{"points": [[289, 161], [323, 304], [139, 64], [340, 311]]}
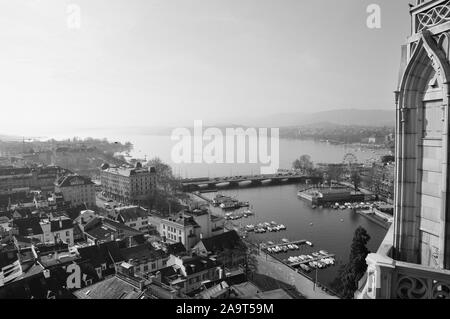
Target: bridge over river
{"points": [[198, 184]]}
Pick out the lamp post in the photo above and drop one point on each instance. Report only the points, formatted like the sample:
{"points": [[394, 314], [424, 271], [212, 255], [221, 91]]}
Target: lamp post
{"points": [[315, 281]]}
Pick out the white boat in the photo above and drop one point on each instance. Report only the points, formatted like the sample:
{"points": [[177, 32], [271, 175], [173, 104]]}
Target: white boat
{"points": [[309, 243], [282, 227], [271, 243], [291, 247], [295, 246], [306, 268], [273, 223], [285, 240], [323, 252]]}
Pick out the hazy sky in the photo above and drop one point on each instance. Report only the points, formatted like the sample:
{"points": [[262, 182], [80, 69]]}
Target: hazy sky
{"points": [[148, 62]]}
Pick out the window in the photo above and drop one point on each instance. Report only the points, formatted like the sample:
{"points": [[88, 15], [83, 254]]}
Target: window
{"points": [[153, 265], [67, 233]]}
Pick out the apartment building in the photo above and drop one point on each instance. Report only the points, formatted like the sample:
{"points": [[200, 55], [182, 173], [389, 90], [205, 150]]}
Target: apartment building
{"points": [[76, 189], [128, 185]]}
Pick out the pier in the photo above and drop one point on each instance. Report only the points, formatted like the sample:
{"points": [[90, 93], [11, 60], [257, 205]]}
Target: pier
{"points": [[298, 242], [311, 260]]}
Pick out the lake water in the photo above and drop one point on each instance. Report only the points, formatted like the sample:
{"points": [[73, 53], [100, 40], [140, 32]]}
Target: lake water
{"points": [[323, 227], [149, 146]]}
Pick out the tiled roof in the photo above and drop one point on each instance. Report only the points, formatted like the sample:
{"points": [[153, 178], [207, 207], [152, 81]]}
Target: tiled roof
{"points": [[227, 240], [145, 251], [131, 213], [28, 226], [197, 264], [103, 228], [183, 220], [111, 288], [127, 171], [61, 224], [106, 253], [71, 180], [176, 249]]}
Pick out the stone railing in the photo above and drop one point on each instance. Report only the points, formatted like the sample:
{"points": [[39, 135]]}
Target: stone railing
{"points": [[418, 282], [387, 278]]}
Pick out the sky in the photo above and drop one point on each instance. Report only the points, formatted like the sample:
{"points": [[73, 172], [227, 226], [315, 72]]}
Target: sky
{"points": [[130, 63]]}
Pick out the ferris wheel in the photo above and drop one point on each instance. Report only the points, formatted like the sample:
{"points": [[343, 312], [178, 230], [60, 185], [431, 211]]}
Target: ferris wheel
{"points": [[349, 159]]}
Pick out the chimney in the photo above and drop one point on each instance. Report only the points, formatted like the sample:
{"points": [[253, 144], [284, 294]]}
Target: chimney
{"points": [[60, 222]]}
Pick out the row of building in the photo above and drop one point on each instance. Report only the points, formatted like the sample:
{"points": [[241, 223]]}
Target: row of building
{"points": [[100, 246]]}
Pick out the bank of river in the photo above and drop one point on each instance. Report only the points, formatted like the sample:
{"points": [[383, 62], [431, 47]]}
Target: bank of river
{"points": [[328, 229]]}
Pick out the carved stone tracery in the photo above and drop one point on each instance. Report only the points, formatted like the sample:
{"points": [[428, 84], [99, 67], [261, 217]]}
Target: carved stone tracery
{"points": [[434, 16]]}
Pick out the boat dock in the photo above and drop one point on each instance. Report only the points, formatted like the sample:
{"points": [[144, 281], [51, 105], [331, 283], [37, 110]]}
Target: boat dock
{"points": [[298, 242], [310, 260]]}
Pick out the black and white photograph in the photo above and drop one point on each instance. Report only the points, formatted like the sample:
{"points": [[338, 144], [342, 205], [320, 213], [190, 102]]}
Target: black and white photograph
{"points": [[224, 155]]}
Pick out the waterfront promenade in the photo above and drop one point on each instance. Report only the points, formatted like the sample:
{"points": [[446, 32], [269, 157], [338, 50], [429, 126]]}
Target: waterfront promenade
{"points": [[269, 266]]}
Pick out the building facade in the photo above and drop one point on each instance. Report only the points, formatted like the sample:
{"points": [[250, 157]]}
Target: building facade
{"points": [[128, 185], [414, 259], [135, 217], [76, 189], [15, 179], [182, 229]]}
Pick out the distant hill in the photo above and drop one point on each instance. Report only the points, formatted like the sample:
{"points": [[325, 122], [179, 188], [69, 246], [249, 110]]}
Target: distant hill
{"points": [[8, 138], [339, 117]]}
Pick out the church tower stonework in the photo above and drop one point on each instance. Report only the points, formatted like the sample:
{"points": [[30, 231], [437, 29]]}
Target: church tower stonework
{"points": [[414, 259]]}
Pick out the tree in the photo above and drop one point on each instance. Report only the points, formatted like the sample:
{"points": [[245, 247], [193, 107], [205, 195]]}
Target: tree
{"points": [[251, 261], [356, 266], [303, 163], [334, 172], [168, 194], [356, 179], [164, 176]]}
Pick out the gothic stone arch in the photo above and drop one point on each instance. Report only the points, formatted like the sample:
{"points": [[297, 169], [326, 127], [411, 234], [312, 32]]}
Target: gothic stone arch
{"points": [[421, 220]]}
